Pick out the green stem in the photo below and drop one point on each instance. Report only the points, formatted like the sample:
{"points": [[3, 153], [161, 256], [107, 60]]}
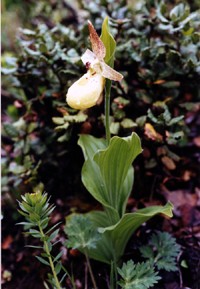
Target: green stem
{"points": [[50, 259], [107, 116], [90, 269], [115, 269]]}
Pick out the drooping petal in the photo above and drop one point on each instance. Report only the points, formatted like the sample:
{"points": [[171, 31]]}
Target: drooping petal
{"points": [[88, 56], [110, 73], [97, 45]]}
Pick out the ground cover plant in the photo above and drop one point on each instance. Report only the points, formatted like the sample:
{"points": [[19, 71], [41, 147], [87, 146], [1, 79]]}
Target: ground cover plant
{"points": [[157, 99]]}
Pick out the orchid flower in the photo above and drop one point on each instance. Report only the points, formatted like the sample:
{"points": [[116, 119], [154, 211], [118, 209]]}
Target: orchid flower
{"points": [[86, 91]]}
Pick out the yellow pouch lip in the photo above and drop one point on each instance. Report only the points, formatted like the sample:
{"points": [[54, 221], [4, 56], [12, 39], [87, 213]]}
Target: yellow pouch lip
{"points": [[85, 92]]}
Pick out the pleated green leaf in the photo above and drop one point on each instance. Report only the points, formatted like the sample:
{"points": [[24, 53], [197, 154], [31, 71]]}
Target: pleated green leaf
{"points": [[116, 170], [107, 172], [91, 174], [108, 42], [114, 238], [110, 46]]}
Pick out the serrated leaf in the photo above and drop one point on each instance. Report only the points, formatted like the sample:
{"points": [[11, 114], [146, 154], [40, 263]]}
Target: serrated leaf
{"points": [[81, 233], [166, 252], [147, 252], [140, 276]]}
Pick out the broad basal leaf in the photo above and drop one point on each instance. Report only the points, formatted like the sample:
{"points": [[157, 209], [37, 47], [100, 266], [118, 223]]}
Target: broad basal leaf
{"points": [[115, 163], [109, 175], [91, 174], [114, 238]]}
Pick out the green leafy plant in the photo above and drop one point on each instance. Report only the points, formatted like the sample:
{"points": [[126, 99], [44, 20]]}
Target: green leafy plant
{"points": [[164, 257], [108, 175], [140, 276], [82, 235], [35, 207], [165, 253], [158, 55]]}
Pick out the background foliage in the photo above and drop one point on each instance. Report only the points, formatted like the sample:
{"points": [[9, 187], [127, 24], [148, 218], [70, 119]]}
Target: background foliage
{"points": [[158, 53]]}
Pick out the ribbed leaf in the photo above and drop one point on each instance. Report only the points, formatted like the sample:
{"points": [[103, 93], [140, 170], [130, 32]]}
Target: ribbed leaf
{"points": [[108, 42], [110, 46], [116, 237], [109, 175], [91, 174], [115, 163]]}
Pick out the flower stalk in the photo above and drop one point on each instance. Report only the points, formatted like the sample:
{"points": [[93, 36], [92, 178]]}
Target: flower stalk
{"points": [[107, 116]]}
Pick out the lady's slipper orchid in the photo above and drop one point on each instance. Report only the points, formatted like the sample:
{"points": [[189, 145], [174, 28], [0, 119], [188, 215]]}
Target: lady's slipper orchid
{"points": [[86, 91]]}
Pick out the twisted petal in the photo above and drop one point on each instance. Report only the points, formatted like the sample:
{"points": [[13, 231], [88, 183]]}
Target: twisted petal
{"points": [[97, 45], [110, 73]]}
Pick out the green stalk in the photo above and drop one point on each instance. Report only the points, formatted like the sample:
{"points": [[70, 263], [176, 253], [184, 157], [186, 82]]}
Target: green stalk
{"points": [[90, 269], [49, 257], [115, 270], [107, 116]]}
